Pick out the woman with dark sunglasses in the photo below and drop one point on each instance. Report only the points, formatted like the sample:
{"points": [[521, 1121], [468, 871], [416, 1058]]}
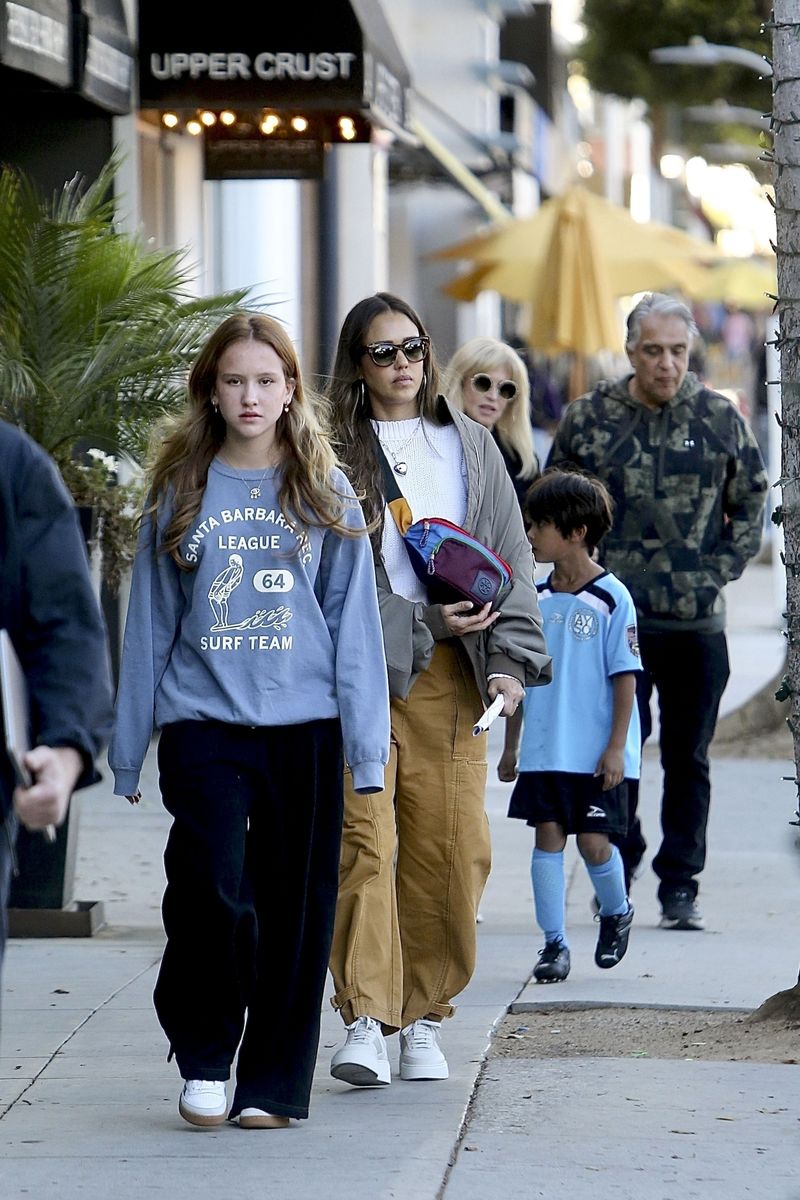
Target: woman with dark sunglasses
{"points": [[415, 857], [488, 380]]}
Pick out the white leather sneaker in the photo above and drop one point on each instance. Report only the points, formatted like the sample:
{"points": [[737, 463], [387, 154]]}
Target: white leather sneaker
{"points": [[203, 1101], [257, 1118], [362, 1060], [421, 1055]]}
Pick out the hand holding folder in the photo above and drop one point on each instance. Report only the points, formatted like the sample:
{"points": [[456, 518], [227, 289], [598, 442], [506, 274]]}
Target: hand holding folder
{"points": [[491, 713]]}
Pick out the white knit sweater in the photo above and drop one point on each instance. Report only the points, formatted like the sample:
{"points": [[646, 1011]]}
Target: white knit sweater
{"points": [[434, 486]]}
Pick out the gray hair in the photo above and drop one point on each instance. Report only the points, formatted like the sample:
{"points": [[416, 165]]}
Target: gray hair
{"points": [[658, 304]]}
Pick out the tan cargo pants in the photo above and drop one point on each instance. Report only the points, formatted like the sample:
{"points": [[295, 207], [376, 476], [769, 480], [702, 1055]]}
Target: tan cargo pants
{"points": [[415, 858]]}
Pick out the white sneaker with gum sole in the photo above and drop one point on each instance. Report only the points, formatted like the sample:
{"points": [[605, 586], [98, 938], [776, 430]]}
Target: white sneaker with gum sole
{"points": [[421, 1055], [362, 1061]]}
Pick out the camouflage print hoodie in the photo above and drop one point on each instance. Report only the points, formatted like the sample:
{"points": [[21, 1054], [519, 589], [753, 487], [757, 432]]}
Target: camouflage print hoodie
{"points": [[688, 484]]}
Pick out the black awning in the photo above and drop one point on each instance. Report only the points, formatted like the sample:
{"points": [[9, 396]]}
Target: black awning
{"points": [[36, 36], [104, 55], [344, 56]]}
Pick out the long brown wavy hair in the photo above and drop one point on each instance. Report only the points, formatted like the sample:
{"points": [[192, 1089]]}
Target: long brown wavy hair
{"points": [[350, 406], [184, 446]]}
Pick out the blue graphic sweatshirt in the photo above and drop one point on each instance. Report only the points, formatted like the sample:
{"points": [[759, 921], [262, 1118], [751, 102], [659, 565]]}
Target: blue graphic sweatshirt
{"points": [[274, 625]]}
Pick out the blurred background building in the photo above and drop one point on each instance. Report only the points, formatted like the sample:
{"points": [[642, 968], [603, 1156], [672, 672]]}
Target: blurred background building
{"points": [[317, 155]]}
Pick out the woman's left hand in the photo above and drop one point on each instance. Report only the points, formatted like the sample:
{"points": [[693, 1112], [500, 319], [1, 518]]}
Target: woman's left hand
{"points": [[511, 690], [460, 618]]}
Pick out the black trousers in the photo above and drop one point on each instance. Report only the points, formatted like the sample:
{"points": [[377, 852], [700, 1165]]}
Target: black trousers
{"points": [[689, 672], [252, 867]]}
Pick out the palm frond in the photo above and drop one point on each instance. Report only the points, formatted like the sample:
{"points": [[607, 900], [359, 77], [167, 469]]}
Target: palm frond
{"points": [[97, 329], [97, 333]]}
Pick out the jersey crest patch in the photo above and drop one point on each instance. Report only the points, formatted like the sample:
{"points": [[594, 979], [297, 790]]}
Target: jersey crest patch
{"points": [[583, 624]]}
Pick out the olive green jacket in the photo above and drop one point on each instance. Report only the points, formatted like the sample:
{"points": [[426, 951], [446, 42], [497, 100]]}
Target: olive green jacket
{"points": [[688, 484]]}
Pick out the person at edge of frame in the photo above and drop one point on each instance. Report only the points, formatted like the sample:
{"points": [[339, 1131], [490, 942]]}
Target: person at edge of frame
{"points": [[53, 619]]}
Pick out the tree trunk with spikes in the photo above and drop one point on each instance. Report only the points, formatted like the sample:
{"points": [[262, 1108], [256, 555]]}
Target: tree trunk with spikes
{"points": [[785, 30]]}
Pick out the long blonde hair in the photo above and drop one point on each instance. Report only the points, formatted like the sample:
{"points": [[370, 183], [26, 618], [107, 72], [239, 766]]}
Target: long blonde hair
{"points": [[184, 446], [513, 426]]}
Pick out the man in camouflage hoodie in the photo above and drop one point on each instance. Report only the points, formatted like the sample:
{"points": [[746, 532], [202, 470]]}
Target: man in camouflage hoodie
{"points": [[689, 484]]}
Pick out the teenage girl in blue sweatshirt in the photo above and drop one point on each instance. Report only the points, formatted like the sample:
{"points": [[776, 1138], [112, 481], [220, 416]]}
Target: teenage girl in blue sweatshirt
{"points": [[253, 644]]}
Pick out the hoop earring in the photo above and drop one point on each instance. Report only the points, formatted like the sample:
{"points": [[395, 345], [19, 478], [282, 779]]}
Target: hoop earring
{"points": [[361, 399]]}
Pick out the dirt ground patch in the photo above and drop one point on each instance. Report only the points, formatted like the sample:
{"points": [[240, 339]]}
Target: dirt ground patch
{"points": [[627, 1032], [606, 1031]]}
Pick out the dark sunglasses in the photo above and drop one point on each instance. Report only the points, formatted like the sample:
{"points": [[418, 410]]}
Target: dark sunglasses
{"points": [[507, 390], [383, 354]]}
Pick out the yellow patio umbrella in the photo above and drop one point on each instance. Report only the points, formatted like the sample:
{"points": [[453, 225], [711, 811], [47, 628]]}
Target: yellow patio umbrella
{"points": [[515, 278], [749, 283], [570, 261], [573, 304]]}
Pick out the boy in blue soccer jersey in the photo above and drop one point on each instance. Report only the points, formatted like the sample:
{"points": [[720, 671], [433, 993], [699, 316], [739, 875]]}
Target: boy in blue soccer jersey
{"points": [[576, 742]]}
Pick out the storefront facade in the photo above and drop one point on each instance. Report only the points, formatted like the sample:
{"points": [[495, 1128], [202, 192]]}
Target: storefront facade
{"points": [[275, 129], [68, 70]]}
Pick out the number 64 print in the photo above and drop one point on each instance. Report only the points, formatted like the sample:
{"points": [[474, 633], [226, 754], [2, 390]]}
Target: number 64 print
{"points": [[273, 581]]}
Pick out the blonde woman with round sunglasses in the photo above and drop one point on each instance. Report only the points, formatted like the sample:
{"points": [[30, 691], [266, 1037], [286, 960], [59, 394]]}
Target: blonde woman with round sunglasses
{"points": [[488, 380]]}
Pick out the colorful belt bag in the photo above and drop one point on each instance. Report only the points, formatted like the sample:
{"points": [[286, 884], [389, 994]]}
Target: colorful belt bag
{"points": [[451, 563]]}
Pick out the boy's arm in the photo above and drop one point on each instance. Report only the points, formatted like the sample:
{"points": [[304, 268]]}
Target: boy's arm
{"points": [[507, 766], [611, 763]]}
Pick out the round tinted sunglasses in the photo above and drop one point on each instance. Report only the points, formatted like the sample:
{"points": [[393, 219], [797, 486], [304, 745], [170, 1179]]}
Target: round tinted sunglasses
{"points": [[383, 354], [506, 390]]}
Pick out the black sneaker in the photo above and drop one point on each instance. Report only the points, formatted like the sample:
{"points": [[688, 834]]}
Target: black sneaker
{"points": [[679, 911], [553, 965], [612, 940]]}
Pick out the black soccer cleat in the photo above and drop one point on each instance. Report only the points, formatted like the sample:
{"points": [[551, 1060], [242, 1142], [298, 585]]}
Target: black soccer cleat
{"points": [[553, 965], [612, 941]]}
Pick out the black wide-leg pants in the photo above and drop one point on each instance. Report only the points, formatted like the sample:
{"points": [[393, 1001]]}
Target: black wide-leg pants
{"points": [[252, 864]]}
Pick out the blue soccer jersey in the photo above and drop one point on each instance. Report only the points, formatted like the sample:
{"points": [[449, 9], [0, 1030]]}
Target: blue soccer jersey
{"points": [[592, 636]]}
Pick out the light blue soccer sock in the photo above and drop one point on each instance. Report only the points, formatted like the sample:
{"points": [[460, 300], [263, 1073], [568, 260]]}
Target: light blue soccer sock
{"points": [[609, 884], [547, 877]]}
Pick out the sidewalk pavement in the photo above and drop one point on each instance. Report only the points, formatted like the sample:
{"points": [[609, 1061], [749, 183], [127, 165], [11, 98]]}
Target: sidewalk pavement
{"points": [[88, 1104]]}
